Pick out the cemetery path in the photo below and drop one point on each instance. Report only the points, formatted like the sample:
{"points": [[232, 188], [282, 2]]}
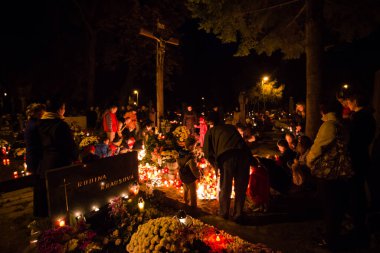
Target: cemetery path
{"points": [[291, 225], [286, 231]]}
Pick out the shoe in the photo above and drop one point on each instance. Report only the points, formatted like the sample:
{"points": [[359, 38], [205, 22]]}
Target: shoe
{"points": [[322, 243], [238, 219], [225, 216]]}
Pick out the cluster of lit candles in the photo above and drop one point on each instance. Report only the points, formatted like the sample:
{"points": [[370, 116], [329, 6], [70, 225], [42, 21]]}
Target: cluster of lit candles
{"points": [[6, 161], [79, 215], [207, 184]]}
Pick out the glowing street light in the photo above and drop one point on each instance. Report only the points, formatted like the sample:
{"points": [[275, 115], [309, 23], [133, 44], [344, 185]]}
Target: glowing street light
{"points": [[137, 96], [264, 79], [345, 86]]}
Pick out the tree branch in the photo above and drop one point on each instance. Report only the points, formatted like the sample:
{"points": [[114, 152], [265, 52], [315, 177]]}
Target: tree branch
{"points": [[295, 18]]}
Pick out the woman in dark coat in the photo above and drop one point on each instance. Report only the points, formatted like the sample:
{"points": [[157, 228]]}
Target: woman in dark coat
{"points": [[33, 145], [58, 148], [34, 113]]}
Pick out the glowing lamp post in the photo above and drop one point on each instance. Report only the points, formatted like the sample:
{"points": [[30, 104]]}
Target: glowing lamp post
{"points": [[136, 92], [264, 79]]}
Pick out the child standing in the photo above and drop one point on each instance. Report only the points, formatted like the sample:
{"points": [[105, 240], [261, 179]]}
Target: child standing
{"points": [[202, 130], [189, 173]]}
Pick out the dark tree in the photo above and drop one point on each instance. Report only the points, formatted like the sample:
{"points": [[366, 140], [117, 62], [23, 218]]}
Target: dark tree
{"points": [[293, 26]]}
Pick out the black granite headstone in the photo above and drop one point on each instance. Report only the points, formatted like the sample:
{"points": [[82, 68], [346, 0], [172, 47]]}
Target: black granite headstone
{"points": [[90, 186]]}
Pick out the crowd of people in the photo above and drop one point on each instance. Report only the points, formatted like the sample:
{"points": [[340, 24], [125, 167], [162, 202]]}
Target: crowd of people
{"points": [[336, 163]]}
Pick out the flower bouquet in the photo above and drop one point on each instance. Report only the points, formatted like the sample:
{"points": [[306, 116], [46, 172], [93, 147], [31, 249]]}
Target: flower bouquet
{"points": [[67, 239], [3, 143], [169, 156], [127, 217], [164, 234], [88, 140], [181, 133]]}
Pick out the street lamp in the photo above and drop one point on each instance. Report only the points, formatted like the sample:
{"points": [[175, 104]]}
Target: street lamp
{"points": [[137, 96], [264, 79]]}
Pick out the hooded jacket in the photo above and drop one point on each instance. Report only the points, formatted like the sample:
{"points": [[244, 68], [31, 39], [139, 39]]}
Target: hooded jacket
{"points": [[222, 139], [58, 146]]}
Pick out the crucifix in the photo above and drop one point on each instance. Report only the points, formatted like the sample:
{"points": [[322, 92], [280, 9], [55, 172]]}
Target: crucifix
{"points": [[160, 55], [66, 198]]}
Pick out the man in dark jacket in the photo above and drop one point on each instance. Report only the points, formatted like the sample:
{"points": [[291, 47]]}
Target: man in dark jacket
{"points": [[362, 129], [58, 149], [225, 149]]}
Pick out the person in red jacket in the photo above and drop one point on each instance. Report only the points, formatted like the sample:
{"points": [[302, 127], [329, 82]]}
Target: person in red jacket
{"points": [[110, 122]]}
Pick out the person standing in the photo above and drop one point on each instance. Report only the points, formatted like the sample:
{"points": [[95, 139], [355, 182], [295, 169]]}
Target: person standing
{"points": [[202, 130], [226, 150], [190, 119], [110, 122], [189, 173], [91, 116], [33, 144], [152, 116], [58, 148], [362, 127], [333, 186], [215, 117]]}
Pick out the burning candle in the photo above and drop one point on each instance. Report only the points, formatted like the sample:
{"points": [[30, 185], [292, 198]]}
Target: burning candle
{"points": [[184, 219], [61, 222], [141, 204], [217, 237], [135, 188]]}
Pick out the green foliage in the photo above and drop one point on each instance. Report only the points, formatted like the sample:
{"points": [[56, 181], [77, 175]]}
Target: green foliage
{"points": [[270, 25], [266, 92]]}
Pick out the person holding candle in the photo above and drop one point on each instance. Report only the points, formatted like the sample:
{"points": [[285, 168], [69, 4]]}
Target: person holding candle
{"points": [[226, 150]]}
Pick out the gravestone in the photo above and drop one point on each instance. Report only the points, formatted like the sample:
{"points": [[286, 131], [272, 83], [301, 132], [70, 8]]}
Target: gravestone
{"points": [[90, 186]]}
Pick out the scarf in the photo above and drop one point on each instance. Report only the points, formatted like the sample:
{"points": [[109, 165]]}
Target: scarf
{"points": [[51, 115]]}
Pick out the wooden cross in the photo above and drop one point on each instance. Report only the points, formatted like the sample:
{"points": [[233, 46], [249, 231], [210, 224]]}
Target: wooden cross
{"points": [[66, 198], [160, 55]]}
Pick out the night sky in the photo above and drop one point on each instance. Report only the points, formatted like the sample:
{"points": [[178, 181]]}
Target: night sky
{"points": [[32, 51]]}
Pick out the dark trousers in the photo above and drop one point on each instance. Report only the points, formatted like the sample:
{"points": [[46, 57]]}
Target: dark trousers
{"points": [[334, 196], [40, 202], [233, 166], [190, 192], [358, 201]]}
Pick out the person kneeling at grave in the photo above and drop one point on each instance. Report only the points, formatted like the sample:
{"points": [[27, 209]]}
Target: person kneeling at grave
{"points": [[189, 173]]}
